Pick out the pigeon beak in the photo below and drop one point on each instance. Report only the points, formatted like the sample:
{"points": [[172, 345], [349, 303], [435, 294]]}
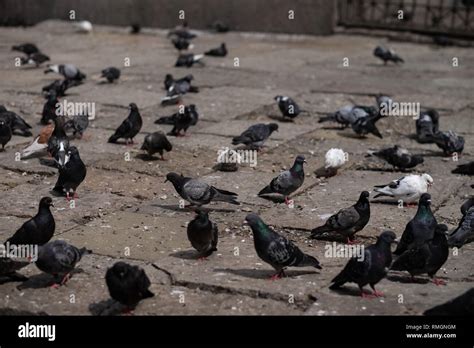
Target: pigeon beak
{"points": [[396, 241], [305, 161], [245, 222], [51, 204], [166, 180]]}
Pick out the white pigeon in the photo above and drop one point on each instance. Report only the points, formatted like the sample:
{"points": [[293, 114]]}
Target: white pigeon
{"points": [[408, 188], [83, 26], [335, 158]]}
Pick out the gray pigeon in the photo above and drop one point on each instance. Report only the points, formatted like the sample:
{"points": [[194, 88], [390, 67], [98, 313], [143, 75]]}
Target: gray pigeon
{"points": [[420, 229], [69, 71], [199, 193], [276, 250], [78, 124], [156, 142], [450, 142], [462, 305], [255, 136], [370, 269], [464, 233], [387, 55], [203, 234], [180, 86], [347, 115], [467, 204], [347, 222], [288, 106], [399, 157], [59, 258], [188, 60], [288, 181], [427, 257], [365, 125], [427, 125]]}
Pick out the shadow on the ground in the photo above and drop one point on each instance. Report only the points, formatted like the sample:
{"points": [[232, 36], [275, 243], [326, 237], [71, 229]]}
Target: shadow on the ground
{"points": [[147, 158], [281, 118], [106, 308], [273, 198], [186, 254], [262, 274], [189, 208], [43, 280], [406, 279]]}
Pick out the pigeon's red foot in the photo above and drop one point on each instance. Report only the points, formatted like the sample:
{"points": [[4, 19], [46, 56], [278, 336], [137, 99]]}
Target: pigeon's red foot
{"points": [[55, 286], [438, 282], [352, 241], [65, 279], [275, 277], [411, 205], [127, 311], [378, 293], [202, 259], [364, 294]]}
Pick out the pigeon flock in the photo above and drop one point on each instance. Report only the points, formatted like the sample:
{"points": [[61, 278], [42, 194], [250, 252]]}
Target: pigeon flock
{"points": [[422, 248]]}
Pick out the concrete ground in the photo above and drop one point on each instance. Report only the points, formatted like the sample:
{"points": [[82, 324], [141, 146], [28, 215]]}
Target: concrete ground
{"points": [[127, 212]]}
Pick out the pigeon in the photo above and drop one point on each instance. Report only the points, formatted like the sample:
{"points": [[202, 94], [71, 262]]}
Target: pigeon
{"points": [[288, 106], [49, 108], [78, 124], [111, 74], [387, 55], [182, 32], [427, 257], [59, 259], [128, 284], [467, 204], [465, 169], [39, 145], [181, 121], [26, 48], [419, 229], [276, 250], [348, 221], [39, 229], [36, 59], [17, 124], [156, 142], [58, 143], [60, 87], [383, 102], [188, 60], [398, 157], [182, 44], [256, 135], [450, 142], [347, 115], [427, 124], [365, 125], [369, 270], [5, 132], [220, 51], [129, 127], [203, 234], [220, 27], [69, 71], [462, 305], [135, 28], [408, 188], [199, 193], [84, 27], [71, 175], [288, 181], [179, 86], [464, 233]]}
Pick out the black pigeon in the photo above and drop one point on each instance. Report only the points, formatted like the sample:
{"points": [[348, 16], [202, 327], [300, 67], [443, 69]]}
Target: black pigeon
{"points": [[348, 115], [128, 284], [288, 181], [111, 74], [465, 169], [288, 106], [256, 135], [427, 257], [220, 27], [276, 250], [463, 305], [59, 259], [59, 87], [220, 51], [369, 270], [467, 204], [399, 157], [179, 86], [464, 233], [427, 124], [449, 142], [71, 175], [387, 55], [17, 124], [26, 48], [5, 132], [78, 124], [347, 221], [39, 229], [199, 193], [135, 28], [34, 59], [69, 71], [181, 121], [420, 229], [58, 143], [156, 142], [365, 125], [129, 127], [182, 44], [182, 32], [188, 60], [203, 234], [49, 108]]}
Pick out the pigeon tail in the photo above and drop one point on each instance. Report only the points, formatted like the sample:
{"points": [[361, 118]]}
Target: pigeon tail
{"points": [[225, 196], [113, 138], [265, 190], [165, 120], [148, 294], [320, 230]]}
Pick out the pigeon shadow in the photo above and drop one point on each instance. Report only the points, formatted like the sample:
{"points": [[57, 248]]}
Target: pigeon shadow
{"points": [[323, 172], [333, 128], [281, 118], [188, 208], [352, 135], [406, 279], [262, 274], [12, 278], [43, 280], [108, 307], [348, 291], [186, 255], [273, 198], [147, 158]]}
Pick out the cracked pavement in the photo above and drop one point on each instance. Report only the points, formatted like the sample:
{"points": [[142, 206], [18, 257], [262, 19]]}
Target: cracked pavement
{"points": [[127, 212]]}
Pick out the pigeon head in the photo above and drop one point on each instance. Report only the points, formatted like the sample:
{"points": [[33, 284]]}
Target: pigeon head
{"points": [[202, 215], [387, 237], [273, 127], [46, 202], [169, 77], [133, 107], [300, 160], [192, 107], [175, 179], [188, 78], [253, 220], [120, 269], [425, 199], [441, 229], [364, 196], [376, 132], [73, 151], [428, 179]]}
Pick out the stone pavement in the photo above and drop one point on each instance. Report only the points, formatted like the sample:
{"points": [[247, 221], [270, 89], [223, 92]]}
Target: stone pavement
{"points": [[127, 212]]}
